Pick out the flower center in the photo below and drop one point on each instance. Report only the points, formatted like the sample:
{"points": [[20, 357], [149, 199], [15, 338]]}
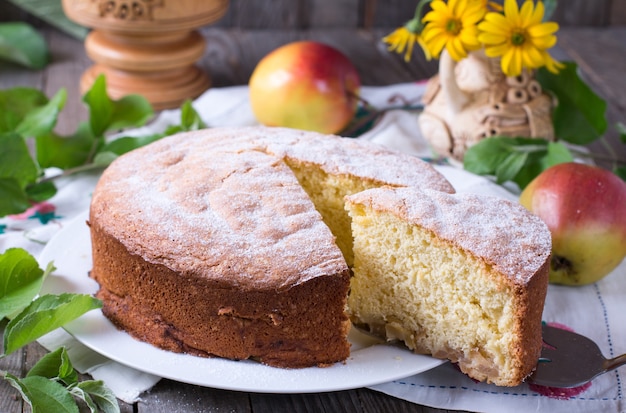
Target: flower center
{"points": [[518, 38], [453, 26]]}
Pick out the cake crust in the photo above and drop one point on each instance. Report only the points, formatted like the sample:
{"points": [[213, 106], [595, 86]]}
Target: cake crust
{"points": [[206, 242], [278, 328]]}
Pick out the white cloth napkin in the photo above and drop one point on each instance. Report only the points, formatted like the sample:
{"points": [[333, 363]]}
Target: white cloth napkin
{"points": [[593, 310]]}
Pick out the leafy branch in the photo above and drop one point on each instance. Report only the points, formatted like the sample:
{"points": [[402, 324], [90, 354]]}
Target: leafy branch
{"points": [[29, 146], [578, 119], [52, 385]]}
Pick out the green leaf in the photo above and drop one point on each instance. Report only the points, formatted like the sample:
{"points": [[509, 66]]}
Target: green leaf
{"points": [[13, 198], [517, 160], [65, 151], [43, 395], [15, 160], [55, 365], [557, 153], [41, 120], [101, 395], [484, 157], [130, 111], [106, 114], [20, 280], [44, 315], [508, 170], [78, 393], [189, 118], [21, 44], [126, 144], [16, 103], [100, 106], [580, 115], [104, 158], [621, 172], [41, 191]]}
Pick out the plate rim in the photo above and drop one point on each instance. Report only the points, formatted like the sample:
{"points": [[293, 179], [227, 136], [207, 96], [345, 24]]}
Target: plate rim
{"points": [[62, 250]]}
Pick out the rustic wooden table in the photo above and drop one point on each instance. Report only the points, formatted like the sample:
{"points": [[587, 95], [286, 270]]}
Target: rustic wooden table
{"points": [[230, 58]]}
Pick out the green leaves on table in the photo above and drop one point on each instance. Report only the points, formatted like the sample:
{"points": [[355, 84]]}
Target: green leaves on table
{"points": [[29, 146], [52, 385], [43, 315], [20, 280], [579, 119], [579, 116], [514, 159], [21, 44]]}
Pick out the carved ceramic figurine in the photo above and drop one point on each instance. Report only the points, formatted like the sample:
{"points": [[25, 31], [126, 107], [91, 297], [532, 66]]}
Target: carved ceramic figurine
{"points": [[472, 99]]}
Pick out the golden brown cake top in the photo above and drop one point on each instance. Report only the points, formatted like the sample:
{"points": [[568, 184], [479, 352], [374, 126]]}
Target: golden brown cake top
{"points": [[357, 157], [222, 201], [503, 233], [334, 154]]}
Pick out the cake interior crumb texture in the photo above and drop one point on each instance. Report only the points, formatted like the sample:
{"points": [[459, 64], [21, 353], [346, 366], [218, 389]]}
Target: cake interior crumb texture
{"points": [[438, 297], [327, 192]]}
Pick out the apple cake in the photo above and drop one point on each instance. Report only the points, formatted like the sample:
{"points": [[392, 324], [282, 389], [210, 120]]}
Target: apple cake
{"points": [[221, 242], [458, 276]]}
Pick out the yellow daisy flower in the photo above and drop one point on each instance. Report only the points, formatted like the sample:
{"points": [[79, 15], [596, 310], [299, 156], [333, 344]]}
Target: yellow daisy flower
{"points": [[519, 37], [403, 39], [453, 26]]}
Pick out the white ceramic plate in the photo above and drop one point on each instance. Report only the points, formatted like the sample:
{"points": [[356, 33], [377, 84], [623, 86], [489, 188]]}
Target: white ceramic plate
{"points": [[370, 362]]}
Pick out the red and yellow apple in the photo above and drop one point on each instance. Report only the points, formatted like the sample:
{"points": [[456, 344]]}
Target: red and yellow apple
{"points": [[305, 85], [585, 209]]}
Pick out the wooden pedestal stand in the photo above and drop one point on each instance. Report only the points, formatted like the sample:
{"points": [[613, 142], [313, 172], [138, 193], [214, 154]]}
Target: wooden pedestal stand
{"points": [[147, 47]]}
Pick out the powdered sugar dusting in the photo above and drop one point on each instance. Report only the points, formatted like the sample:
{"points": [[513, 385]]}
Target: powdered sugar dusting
{"points": [[504, 233], [359, 158], [222, 201]]}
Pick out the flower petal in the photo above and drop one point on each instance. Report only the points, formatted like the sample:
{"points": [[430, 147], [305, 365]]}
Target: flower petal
{"points": [[532, 58], [491, 39], [496, 50], [544, 42], [537, 16], [422, 44], [526, 13], [495, 23], [511, 12], [439, 6], [436, 45], [456, 49], [472, 17], [552, 65], [543, 29], [431, 32], [469, 37]]}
